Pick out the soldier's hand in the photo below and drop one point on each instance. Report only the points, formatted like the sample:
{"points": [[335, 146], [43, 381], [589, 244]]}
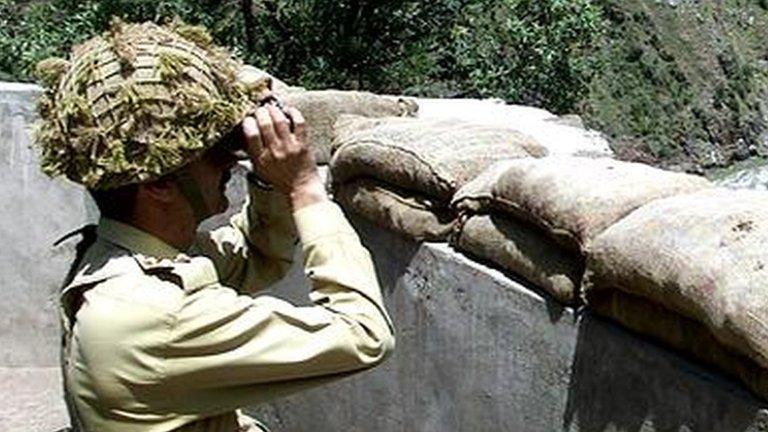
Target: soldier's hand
{"points": [[282, 157]]}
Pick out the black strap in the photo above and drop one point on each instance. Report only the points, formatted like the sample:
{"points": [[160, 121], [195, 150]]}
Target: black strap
{"points": [[88, 233], [89, 236]]}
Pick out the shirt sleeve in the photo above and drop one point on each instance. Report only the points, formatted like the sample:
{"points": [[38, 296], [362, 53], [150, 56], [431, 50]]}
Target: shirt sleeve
{"points": [[226, 350], [257, 247]]}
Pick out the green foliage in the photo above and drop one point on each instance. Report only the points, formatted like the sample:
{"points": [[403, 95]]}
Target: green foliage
{"points": [[537, 52], [685, 85], [378, 46], [33, 30], [525, 51]]}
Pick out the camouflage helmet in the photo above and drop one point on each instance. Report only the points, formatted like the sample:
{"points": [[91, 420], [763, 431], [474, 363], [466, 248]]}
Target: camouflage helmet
{"points": [[136, 103]]}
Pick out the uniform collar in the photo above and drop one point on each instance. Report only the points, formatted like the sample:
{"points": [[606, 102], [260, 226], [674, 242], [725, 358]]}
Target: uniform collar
{"points": [[134, 239]]}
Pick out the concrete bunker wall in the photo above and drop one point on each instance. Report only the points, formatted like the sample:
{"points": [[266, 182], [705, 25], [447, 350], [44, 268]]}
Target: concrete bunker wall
{"points": [[477, 350]]}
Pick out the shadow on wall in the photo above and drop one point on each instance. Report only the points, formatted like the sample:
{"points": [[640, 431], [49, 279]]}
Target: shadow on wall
{"points": [[618, 386], [402, 251]]}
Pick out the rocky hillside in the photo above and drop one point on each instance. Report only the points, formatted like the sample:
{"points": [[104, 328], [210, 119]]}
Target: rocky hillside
{"points": [[682, 83]]}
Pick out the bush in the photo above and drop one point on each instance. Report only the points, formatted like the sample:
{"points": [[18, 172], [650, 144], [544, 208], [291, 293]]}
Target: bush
{"points": [[33, 30], [686, 85], [535, 52]]}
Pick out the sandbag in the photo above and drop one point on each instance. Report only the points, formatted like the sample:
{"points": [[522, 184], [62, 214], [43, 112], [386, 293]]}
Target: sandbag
{"points": [[398, 210], [432, 157], [250, 75], [572, 198], [408, 158], [523, 249], [321, 109], [702, 256]]}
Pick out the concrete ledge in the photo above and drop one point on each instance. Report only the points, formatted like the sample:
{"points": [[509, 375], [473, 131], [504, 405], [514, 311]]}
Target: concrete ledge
{"points": [[6, 86]]}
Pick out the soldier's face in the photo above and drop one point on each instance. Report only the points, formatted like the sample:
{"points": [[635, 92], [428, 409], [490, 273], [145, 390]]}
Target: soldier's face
{"points": [[212, 172]]}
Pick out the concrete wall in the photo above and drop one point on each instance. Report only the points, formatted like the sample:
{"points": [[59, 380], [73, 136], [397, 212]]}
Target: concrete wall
{"points": [[35, 212], [477, 350]]}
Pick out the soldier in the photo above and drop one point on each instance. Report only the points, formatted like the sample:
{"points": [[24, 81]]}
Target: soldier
{"points": [[160, 328]]}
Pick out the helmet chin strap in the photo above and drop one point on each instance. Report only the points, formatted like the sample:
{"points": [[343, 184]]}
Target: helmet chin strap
{"points": [[191, 191]]}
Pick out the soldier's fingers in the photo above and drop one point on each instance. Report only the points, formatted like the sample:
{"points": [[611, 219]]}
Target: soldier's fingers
{"points": [[252, 136], [299, 125], [266, 128], [281, 123]]}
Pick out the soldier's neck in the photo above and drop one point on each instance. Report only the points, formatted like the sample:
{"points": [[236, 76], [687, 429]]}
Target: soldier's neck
{"points": [[174, 227]]}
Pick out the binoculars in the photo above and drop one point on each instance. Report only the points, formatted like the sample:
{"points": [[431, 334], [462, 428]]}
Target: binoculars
{"points": [[233, 142]]}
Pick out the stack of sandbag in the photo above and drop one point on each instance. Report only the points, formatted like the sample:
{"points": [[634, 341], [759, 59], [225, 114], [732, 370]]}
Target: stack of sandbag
{"points": [[692, 272], [535, 217], [564, 136], [321, 109], [401, 173]]}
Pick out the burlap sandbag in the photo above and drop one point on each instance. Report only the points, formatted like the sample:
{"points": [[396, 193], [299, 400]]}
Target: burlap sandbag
{"points": [[433, 157], [702, 256], [523, 249], [397, 210], [572, 198], [321, 109], [415, 158], [249, 75]]}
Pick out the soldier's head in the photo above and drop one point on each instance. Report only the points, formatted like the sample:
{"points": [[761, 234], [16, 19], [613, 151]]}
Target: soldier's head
{"points": [[145, 112]]}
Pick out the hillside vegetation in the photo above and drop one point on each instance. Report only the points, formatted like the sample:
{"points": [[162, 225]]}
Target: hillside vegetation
{"points": [[675, 83], [683, 82]]}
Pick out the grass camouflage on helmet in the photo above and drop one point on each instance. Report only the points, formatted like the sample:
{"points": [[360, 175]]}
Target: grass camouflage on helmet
{"points": [[137, 103]]}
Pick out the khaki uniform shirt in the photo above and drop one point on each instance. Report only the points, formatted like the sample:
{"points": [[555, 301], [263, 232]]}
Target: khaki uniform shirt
{"points": [[159, 340]]}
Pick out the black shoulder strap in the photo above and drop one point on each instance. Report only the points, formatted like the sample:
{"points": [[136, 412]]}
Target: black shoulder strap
{"points": [[88, 233]]}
